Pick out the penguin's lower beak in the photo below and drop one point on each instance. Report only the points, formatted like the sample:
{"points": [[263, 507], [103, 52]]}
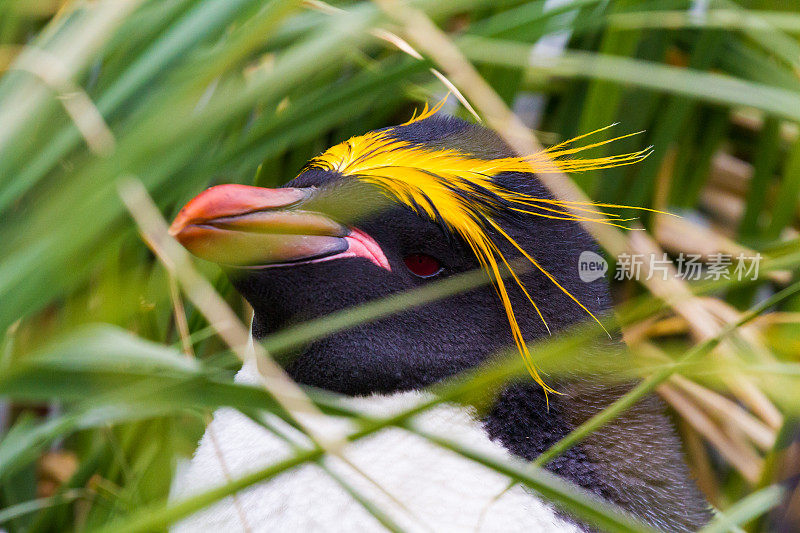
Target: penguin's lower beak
{"points": [[244, 226]]}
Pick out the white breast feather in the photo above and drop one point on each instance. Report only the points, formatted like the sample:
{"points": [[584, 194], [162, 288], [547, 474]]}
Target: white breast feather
{"points": [[439, 490]]}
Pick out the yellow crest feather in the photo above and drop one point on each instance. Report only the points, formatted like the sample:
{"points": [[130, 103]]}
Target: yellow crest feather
{"points": [[457, 189]]}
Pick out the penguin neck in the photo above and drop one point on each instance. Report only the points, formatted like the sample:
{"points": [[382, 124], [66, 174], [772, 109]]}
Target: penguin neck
{"points": [[635, 461]]}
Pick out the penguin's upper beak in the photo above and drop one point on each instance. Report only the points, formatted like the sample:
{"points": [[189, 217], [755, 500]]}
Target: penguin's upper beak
{"points": [[244, 226]]}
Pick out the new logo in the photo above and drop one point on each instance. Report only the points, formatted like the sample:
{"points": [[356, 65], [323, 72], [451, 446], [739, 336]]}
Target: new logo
{"points": [[591, 266]]}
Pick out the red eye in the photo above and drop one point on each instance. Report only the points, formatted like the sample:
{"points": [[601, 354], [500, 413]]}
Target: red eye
{"points": [[423, 265]]}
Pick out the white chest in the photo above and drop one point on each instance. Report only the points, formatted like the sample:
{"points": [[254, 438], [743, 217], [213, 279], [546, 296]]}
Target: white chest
{"points": [[425, 487]]}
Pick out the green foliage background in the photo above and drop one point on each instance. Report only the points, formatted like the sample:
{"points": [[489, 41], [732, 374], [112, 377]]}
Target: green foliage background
{"points": [[99, 402]]}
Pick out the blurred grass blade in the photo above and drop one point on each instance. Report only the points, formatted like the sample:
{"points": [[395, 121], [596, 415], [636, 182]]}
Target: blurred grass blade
{"points": [[704, 86], [39, 504], [747, 509]]}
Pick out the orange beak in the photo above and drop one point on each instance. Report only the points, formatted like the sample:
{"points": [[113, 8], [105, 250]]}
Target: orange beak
{"points": [[239, 225]]}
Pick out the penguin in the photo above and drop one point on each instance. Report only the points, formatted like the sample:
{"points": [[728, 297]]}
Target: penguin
{"points": [[383, 213]]}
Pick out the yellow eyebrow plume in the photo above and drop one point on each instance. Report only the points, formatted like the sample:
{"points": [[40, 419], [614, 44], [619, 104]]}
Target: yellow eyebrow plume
{"points": [[456, 189]]}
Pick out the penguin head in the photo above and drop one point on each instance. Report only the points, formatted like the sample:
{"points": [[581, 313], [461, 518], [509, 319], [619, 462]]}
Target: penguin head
{"points": [[387, 212]]}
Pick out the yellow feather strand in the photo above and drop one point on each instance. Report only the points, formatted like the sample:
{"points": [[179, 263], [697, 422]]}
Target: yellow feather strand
{"points": [[457, 188], [426, 112], [603, 215]]}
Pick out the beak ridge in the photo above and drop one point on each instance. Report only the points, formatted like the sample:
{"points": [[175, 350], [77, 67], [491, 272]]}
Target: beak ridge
{"points": [[232, 200], [240, 225]]}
